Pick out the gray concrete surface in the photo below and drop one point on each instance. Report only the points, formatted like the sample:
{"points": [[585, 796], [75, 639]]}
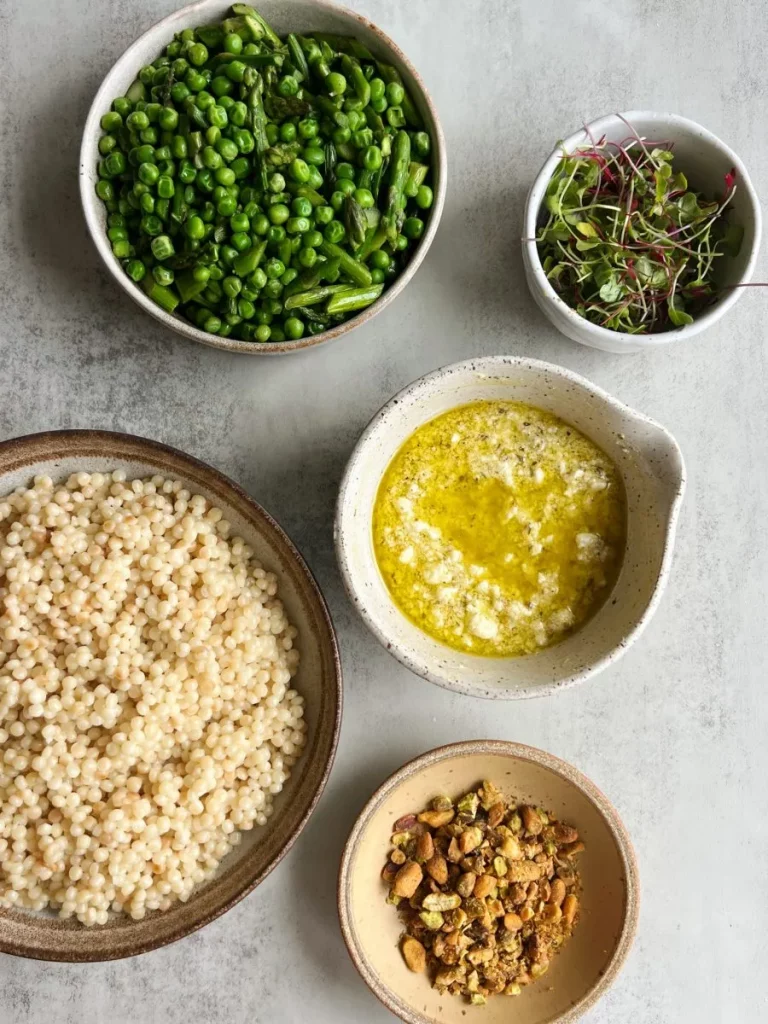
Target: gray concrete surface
{"points": [[676, 733]]}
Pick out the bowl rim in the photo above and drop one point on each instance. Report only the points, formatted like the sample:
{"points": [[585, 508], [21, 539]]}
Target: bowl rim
{"points": [[91, 204], [413, 661], [519, 751], [535, 199], [28, 444]]}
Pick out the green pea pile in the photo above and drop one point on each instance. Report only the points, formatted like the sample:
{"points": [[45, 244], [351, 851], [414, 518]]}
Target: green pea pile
{"points": [[260, 187]]}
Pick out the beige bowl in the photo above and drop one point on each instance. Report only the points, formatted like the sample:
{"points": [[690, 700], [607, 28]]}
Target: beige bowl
{"points": [[650, 464], [300, 16], [59, 453], [587, 965]]}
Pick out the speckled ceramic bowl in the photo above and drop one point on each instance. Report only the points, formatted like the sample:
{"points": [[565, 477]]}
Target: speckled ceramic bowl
{"points": [[705, 159], [587, 965], [45, 937], [285, 16], [652, 468]]}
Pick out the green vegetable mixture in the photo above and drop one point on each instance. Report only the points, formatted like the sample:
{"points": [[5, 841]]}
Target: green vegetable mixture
{"points": [[264, 188]]}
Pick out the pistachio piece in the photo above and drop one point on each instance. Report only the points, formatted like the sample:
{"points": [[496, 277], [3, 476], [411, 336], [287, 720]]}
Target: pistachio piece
{"points": [[432, 919], [484, 886], [510, 849], [436, 818], [524, 871], [531, 820], [466, 884], [425, 847], [442, 803], [437, 868], [514, 822], [454, 851], [512, 989], [414, 954], [499, 867], [475, 908], [557, 892], [570, 906], [496, 814], [400, 838], [441, 901], [565, 833], [512, 922], [398, 857], [468, 804], [551, 913], [405, 823], [489, 794], [470, 840], [408, 879]]}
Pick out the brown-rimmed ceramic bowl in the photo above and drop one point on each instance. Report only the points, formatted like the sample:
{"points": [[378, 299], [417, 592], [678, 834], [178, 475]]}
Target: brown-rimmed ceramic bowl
{"points": [[586, 966], [301, 16], [43, 936]]}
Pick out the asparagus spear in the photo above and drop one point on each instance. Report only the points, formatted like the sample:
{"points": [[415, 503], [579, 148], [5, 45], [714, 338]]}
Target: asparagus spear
{"points": [[398, 175], [353, 298], [359, 273]]}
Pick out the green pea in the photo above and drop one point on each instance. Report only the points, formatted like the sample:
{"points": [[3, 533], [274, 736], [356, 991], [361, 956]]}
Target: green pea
{"points": [[313, 239], [187, 173], [205, 100], [288, 132], [314, 156], [287, 86], [300, 170], [179, 92], [334, 232], [378, 106], [235, 71], [278, 334], [401, 243], [221, 86], [364, 197], [233, 43], [336, 84], [136, 270], [372, 158], [240, 222], [337, 201], [346, 186], [217, 116], [114, 164], [229, 254], [362, 139], [225, 176], [149, 135], [273, 133], [122, 106], [148, 173], [163, 275], [308, 128], [238, 114], [258, 278], [105, 190], [341, 136], [395, 94], [277, 183], [151, 225], [421, 144], [117, 234], [298, 225], [274, 269], [241, 241], [353, 103], [165, 187], [162, 155], [324, 214], [244, 140], [211, 158], [263, 333], [142, 155], [276, 234], [308, 257], [301, 207], [205, 180], [228, 149], [315, 179], [379, 259], [197, 54], [232, 286], [241, 167], [246, 309], [226, 206], [413, 227], [122, 249], [260, 224], [212, 325], [195, 227], [137, 121], [424, 197], [106, 144], [279, 213], [168, 119], [345, 170], [110, 122], [194, 81], [147, 202]]}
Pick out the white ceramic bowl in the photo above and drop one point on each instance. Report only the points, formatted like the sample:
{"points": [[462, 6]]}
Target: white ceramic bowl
{"points": [[301, 16], [705, 160], [653, 471]]}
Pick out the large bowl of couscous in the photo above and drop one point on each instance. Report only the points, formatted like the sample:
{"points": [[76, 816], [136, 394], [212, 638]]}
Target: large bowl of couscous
{"points": [[170, 695]]}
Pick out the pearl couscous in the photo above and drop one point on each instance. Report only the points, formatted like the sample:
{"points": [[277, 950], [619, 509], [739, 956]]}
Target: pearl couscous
{"points": [[146, 714]]}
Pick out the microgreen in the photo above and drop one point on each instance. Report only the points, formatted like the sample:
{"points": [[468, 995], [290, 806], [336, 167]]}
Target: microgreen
{"points": [[627, 243]]}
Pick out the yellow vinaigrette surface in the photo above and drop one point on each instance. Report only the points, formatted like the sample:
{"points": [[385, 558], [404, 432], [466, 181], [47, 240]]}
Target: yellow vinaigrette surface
{"points": [[499, 528]]}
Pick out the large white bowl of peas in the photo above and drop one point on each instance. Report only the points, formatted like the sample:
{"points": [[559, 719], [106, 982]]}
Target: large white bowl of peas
{"points": [[263, 179]]}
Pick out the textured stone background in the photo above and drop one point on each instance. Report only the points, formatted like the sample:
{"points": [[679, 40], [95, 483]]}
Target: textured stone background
{"points": [[675, 734]]}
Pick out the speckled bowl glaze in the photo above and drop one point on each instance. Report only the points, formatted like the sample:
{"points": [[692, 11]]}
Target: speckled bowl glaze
{"points": [[705, 160], [45, 937], [285, 16], [587, 965], [651, 466]]}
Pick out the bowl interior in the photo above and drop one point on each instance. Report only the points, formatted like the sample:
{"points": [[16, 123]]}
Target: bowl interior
{"points": [[650, 465], [318, 679], [585, 966], [299, 16]]}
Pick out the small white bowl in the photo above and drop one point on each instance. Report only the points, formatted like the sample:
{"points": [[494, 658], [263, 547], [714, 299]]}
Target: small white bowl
{"points": [[653, 472], [705, 160], [301, 16]]}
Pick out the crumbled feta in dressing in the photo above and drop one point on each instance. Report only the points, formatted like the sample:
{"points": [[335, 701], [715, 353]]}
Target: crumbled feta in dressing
{"points": [[499, 528]]}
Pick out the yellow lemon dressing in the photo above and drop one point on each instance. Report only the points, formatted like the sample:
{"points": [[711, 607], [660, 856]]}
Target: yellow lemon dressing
{"points": [[499, 529]]}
